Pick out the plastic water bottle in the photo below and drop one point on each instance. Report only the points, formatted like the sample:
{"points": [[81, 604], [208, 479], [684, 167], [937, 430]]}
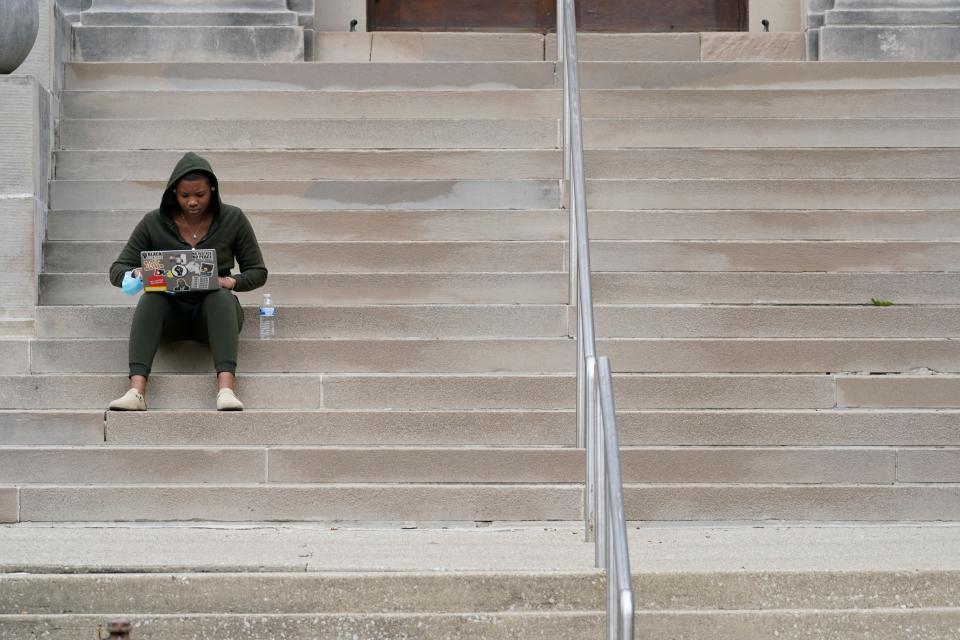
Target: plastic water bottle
{"points": [[267, 317]]}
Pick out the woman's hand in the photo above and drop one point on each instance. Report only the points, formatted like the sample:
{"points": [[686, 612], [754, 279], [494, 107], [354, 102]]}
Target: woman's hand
{"points": [[138, 273], [228, 282]]}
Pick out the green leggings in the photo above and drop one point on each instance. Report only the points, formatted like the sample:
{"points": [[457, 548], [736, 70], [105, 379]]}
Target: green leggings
{"points": [[213, 318]]}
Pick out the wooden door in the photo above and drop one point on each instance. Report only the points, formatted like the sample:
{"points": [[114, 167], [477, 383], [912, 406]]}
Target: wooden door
{"points": [[662, 15], [539, 15], [461, 15]]}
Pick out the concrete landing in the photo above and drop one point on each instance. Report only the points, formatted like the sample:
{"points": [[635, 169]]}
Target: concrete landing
{"points": [[496, 547]]}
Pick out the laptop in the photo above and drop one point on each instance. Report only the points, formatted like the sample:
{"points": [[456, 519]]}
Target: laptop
{"points": [[180, 271]]}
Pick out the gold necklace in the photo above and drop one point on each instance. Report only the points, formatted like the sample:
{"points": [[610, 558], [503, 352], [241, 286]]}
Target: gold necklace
{"points": [[193, 232]]}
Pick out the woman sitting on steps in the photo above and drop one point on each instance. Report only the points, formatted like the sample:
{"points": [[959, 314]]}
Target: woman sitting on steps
{"points": [[191, 216]]}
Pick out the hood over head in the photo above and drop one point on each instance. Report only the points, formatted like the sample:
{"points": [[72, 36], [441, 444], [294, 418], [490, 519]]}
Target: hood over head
{"points": [[189, 163]]}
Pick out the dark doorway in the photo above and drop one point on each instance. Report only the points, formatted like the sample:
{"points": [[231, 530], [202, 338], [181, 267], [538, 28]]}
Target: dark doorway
{"points": [[539, 15]]}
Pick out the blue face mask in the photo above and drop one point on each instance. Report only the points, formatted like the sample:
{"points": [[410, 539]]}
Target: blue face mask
{"points": [[131, 284]]}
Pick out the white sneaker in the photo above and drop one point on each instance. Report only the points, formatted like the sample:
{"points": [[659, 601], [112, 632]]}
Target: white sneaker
{"points": [[132, 400], [228, 401]]}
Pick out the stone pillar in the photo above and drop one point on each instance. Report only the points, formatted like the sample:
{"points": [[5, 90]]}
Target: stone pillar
{"points": [[815, 16], [891, 30], [25, 160], [28, 109]]}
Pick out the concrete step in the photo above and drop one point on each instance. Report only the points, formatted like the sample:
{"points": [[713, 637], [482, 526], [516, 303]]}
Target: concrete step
{"points": [[525, 103], [612, 321], [471, 502], [772, 102], [195, 17], [771, 288], [185, 5], [607, 255], [399, 225], [379, 257], [138, 465], [322, 194], [477, 225], [16, 327], [759, 224], [828, 502], [345, 289], [773, 194], [305, 593], [330, 76], [705, 428], [422, 133], [12, 352], [457, 465], [370, 322], [291, 103], [500, 164], [530, 194], [544, 355], [316, 592], [787, 256], [934, 623], [660, 47], [682, 566], [519, 75], [543, 392], [394, 46], [300, 502], [190, 44], [289, 427], [824, 163], [700, 427], [720, 321], [803, 428], [338, 465], [618, 133], [349, 133], [921, 391], [551, 288], [769, 75], [874, 16], [424, 392], [19, 427], [386, 46], [486, 164]]}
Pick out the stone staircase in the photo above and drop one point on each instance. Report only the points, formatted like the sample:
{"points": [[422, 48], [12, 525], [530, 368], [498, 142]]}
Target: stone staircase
{"points": [[409, 213], [743, 215]]}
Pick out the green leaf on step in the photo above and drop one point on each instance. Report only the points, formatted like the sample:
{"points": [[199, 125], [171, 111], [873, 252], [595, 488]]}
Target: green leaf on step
{"points": [[877, 302]]}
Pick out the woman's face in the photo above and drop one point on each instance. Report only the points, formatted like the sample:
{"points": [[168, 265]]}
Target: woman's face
{"points": [[193, 196]]}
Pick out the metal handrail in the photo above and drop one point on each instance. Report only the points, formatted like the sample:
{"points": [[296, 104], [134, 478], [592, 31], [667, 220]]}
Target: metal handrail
{"points": [[617, 557], [604, 517]]}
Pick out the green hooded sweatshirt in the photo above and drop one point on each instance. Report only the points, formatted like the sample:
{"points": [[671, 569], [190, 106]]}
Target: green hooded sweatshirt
{"points": [[230, 233]]}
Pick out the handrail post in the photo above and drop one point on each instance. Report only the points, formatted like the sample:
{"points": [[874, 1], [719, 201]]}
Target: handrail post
{"points": [[600, 466], [590, 501], [620, 591]]}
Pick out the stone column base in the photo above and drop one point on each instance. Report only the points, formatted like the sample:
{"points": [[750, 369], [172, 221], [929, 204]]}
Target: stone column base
{"points": [[890, 42]]}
